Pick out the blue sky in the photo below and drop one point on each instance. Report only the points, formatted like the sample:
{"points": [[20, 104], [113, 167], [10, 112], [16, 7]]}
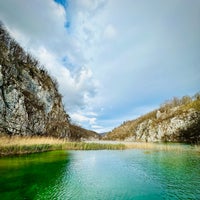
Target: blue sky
{"points": [[114, 60]]}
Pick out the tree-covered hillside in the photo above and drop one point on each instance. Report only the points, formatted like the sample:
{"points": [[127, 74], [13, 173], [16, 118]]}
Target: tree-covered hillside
{"points": [[176, 120]]}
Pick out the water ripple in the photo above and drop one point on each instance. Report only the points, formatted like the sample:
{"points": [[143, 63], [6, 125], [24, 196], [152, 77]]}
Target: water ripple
{"points": [[105, 175]]}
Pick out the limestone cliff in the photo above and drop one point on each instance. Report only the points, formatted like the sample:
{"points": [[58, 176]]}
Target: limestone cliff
{"points": [[177, 121], [30, 103]]}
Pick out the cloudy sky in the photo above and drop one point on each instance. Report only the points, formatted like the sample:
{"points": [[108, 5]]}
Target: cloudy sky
{"points": [[114, 60]]}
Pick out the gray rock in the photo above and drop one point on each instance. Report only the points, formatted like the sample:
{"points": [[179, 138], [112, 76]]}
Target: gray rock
{"points": [[30, 103]]}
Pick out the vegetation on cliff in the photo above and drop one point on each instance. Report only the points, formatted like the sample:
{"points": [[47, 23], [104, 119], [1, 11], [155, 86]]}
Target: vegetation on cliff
{"points": [[30, 103], [176, 120], [77, 133]]}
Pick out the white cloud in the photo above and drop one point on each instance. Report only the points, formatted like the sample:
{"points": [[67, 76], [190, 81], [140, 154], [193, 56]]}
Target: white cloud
{"points": [[115, 55], [96, 127], [80, 118], [39, 26], [110, 32], [39, 20], [88, 4], [77, 89]]}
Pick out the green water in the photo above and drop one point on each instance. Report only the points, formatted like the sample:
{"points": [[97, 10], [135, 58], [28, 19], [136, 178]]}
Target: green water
{"points": [[101, 175]]}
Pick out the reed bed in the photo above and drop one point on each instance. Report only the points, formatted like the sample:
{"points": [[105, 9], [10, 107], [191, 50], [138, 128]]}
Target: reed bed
{"points": [[162, 146], [25, 145], [20, 140], [92, 146]]}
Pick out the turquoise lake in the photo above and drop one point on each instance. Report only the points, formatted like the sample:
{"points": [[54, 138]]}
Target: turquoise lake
{"points": [[101, 175]]}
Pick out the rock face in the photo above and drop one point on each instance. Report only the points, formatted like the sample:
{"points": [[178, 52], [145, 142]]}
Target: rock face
{"points": [[179, 123], [30, 103]]}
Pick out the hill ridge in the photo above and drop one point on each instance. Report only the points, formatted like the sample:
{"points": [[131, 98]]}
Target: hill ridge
{"points": [[177, 120]]}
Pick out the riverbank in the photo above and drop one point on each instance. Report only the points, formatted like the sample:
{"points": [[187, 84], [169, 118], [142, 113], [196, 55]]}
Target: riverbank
{"points": [[18, 145], [160, 146]]}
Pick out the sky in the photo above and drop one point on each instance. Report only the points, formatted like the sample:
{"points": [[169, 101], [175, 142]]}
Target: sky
{"points": [[114, 60]]}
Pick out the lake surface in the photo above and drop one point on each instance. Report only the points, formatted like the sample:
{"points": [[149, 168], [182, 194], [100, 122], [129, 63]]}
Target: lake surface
{"points": [[101, 175]]}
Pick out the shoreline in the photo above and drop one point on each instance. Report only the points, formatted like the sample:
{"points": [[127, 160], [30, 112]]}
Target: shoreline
{"points": [[18, 145]]}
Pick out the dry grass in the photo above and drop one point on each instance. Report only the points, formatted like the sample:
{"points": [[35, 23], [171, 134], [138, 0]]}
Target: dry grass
{"points": [[25, 145], [18, 140], [162, 146]]}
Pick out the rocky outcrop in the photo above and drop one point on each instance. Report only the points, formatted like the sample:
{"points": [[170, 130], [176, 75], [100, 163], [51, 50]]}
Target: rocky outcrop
{"points": [[30, 103], [177, 124], [165, 128]]}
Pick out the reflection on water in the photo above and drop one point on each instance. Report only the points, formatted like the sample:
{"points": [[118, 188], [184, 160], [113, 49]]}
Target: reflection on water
{"points": [[27, 177], [106, 175]]}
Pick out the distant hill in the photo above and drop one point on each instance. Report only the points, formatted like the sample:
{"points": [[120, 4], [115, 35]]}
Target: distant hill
{"points": [[103, 134], [30, 103], [177, 120], [81, 134]]}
